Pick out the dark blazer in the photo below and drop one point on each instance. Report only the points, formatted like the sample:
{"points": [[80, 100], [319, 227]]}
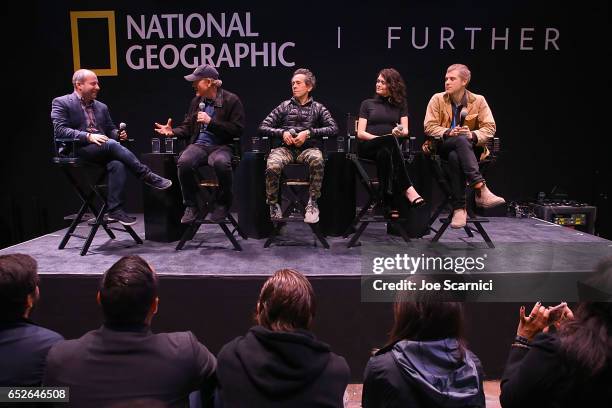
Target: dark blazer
{"points": [[118, 364], [227, 123], [23, 350], [70, 121]]}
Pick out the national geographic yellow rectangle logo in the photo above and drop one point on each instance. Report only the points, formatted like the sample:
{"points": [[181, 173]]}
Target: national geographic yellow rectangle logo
{"points": [[112, 40]]}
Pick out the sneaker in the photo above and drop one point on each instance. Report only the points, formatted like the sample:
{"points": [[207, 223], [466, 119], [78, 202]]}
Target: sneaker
{"points": [[312, 212], [219, 213], [190, 215], [486, 199], [155, 181], [121, 217], [459, 218], [276, 213]]}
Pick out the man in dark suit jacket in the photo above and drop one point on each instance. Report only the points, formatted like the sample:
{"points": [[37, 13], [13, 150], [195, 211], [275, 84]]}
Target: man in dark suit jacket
{"points": [[23, 344], [215, 117], [82, 123], [123, 360]]}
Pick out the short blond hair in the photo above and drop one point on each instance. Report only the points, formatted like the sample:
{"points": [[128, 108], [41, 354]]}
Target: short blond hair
{"points": [[464, 71]]}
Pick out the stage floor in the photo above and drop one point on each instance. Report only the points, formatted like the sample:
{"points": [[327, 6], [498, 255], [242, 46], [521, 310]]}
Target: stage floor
{"points": [[522, 245]]}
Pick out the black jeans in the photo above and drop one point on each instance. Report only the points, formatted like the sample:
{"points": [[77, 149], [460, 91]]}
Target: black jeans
{"points": [[462, 166], [194, 156], [116, 158], [390, 167]]}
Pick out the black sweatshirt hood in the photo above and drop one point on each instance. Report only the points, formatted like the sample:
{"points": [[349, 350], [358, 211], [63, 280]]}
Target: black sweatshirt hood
{"points": [[281, 363]]}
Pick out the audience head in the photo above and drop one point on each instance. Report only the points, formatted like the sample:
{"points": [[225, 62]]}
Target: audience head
{"points": [[128, 292], [394, 84], [426, 317], [286, 302], [587, 338], [18, 286]]}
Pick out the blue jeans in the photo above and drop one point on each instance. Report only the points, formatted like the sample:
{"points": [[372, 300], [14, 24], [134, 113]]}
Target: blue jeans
{"points": [[116, 158]]}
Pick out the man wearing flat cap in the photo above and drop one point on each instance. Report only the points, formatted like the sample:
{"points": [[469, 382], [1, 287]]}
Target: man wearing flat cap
{"points": [[215, 117]]}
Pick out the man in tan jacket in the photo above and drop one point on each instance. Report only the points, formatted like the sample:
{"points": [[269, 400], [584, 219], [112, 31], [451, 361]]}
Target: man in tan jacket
{"points": [[461, 120]]}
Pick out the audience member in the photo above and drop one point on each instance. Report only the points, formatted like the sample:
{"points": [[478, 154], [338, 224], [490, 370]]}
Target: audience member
{"points": [[123, 359], [561, 359], [279, 362], [425, 362], [23, 344]]}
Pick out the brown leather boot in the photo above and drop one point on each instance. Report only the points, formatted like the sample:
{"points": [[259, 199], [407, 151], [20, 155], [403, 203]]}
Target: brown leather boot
{"points": [[486, 199], [459, 218]]}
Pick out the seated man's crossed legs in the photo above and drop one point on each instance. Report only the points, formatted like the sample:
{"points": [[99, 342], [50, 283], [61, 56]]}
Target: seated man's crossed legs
{"points": [[459, 153]]}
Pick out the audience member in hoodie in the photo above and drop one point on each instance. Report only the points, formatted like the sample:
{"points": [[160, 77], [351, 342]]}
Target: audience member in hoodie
{"points": [[561, 359], [279, 362], [425, 362], [23, 344], [124, 360]]}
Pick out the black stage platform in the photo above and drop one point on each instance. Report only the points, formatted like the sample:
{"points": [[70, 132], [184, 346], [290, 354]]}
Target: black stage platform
{"points": [[210, 289]]}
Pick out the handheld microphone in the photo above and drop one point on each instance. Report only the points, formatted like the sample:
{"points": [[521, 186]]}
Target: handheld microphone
{"points": [[201, 107], [122, 126], [462, 116], [293, 132]]}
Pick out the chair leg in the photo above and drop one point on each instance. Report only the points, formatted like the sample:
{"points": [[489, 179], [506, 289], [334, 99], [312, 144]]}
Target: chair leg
{"points": [[436, 214], [484, 234], [402, 231], [316, 229], [273, 235], [236, 226], [231, 237], [441, 230], [358, 217], [131, 231], [90, 237], [355, 238], [189, 233], [468, 231], [73, 226]]}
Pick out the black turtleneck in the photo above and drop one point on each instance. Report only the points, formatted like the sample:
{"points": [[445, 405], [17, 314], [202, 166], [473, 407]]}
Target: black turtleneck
{"points": [[381, 115]]}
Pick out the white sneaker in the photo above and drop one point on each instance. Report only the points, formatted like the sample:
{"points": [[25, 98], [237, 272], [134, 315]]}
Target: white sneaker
{"points": [[275, 212], [312, 212]]}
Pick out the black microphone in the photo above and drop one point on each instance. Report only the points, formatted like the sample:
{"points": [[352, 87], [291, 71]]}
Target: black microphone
{"points": [[201, 106], [462, 116]]}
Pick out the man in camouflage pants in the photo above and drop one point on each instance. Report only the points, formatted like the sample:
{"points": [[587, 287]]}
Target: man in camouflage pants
{"points": [[296, 128]]}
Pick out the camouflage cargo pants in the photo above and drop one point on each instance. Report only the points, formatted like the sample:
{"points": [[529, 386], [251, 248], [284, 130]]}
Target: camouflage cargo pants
{"points": [[281, 156]]}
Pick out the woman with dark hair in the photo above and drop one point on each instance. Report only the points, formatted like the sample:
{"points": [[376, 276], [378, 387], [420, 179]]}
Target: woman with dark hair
{"points": [[425, 362], [382, 120], [559, 359], [279, 362]]}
